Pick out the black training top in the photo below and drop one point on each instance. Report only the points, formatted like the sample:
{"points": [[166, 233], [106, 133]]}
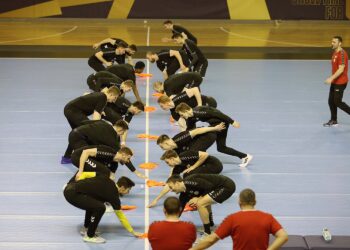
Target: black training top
{"points": [[193, 52], [202, 184], [187, 158], [89, 103], [208, 114], [101, 188], [177, 82], [123, 71], [182, 140], [121, 106], [164, 59], [183, 97], [179, 29], [104, 154]]}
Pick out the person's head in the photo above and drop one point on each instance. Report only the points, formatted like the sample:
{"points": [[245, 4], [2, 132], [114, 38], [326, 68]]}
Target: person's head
{"points": [[127, 85], [123, 155], [176, 184], [158, 87], [336, 42], [112, 94], [172, 206], [124, 185], [247, 198], [179, 39], [139, 67], [168, 24], [171, 158], [121, 127], [136, 108], [166, 143], [165, 102], [184, 110], [151, 56], [121, 47], [131, 49]]}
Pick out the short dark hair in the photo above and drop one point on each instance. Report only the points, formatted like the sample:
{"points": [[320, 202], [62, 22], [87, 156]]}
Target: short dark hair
{"points": [[172, 205], [340, 39], [162, 138], [126, 150], [139, 105], [177, 35], [174, 178], [125, 182], [247, 197], [169, 154], [133, 47], [139, 65], [122, 44], [182, 107], [168, 22], [122, 124]]}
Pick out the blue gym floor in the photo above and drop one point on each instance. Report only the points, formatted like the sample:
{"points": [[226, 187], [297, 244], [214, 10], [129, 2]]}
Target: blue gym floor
{"points": [[300, 169]]}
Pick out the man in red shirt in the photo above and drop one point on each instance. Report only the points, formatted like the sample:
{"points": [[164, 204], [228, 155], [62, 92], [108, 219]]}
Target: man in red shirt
{"points": [[171, 234], [248, 228], [338, 81]]}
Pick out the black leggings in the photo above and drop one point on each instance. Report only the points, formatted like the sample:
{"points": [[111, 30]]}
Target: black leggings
{"points": [[102, 79], [91, 165], [75, 119], [209, 101], [203, 142], [335, 100], [94, 208], [221, 144], [96, 64], [201, 67]]}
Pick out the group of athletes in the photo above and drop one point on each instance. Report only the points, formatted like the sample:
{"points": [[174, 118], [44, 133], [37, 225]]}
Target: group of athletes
{"points": [[97, 145]]}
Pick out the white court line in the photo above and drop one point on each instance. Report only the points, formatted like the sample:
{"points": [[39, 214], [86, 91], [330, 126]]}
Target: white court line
{"points": [[267, 40], [41, 37], [147, 148]]}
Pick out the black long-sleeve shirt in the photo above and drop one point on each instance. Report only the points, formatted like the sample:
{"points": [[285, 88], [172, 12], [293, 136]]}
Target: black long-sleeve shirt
{"points": [[89, 103], [123, 71], [177, 29], [121, 106], [193, 52], [176, 83], [187, 158]]}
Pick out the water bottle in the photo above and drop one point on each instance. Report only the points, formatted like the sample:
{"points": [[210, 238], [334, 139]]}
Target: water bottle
{"points": [[326, 234]]}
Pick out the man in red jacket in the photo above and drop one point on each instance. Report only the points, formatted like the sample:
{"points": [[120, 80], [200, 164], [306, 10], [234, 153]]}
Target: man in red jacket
{"points": [[338, 81]]}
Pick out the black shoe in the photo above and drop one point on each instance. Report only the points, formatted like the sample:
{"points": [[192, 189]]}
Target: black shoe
{"points": [[331, 123]]}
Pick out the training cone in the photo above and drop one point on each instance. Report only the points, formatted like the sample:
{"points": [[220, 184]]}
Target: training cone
{"points": [[145, 136], [128, 207], [190, 208], [148, 165], [153, 183], [144, 236], [143, 75], [156, 94], [150, 109]]}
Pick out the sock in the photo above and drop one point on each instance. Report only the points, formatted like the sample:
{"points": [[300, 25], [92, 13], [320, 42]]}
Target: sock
{"points": [[211, 221], [207, 228]]}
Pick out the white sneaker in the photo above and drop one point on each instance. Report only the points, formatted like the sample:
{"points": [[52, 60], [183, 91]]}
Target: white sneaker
{"points": [[83, 231], [109, 208], [246, 160], [95, 239], [201, 238]]}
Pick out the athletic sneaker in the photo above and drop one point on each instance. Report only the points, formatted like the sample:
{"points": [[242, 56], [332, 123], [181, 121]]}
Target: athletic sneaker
{"points": [[246, 160], [203, 235], [66, 160], [95, 239], [109, 208], [330, 123], [83, 231]]}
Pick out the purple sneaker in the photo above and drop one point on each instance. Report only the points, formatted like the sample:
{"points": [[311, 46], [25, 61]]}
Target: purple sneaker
{"points": [[66, 160]]}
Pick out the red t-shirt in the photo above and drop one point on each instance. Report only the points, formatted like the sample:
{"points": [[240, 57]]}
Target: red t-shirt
{"points": [[340, 58], [249, 229], [167, 235]]}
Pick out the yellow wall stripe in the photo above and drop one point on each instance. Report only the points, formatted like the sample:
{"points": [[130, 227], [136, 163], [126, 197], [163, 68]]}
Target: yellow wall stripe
{"points": [[69, 3], [39, 10], [120, 8], [347, 11], [248, 9]]}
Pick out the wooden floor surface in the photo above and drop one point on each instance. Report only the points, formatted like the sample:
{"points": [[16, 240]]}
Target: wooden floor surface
{"points": [[215, 33]]}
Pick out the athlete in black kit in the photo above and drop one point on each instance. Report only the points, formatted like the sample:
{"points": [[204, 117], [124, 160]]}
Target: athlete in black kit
{"points": [[78, 110], [199, 139], [202, 190], [122, 108], [103, 159], [176, 84], [191, 97], [91, 194], [177, 29], [169, 61], [188, 163], [213, 117]]}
